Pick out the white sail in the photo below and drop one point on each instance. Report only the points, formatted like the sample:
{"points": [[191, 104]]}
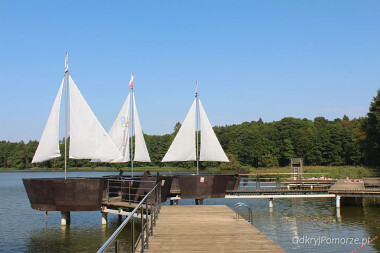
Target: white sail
{"points": [[48, 148], [183, 146], [141, 152], [88, 139], [120, 131], [210, 149]]}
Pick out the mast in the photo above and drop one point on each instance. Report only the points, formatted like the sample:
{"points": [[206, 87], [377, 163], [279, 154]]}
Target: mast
{"points": [[197, 127], [132, 122], [67, 80]]}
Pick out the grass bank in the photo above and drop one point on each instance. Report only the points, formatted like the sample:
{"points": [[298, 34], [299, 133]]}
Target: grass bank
{"points": [[335, 172]]}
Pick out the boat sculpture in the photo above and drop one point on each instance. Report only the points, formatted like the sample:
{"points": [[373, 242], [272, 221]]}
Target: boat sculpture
{"points": [[88, 140], [186, 146]]}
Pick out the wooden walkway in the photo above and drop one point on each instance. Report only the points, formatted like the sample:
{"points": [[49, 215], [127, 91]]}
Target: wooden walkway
{"points": [[343, 185], [206, 229]]}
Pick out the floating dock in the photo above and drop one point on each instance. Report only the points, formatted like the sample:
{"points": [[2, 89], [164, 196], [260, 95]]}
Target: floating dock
{"points": [[206, 229]]}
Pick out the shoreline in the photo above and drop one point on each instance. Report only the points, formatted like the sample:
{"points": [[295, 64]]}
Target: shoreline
{"points": [[335, 172]]}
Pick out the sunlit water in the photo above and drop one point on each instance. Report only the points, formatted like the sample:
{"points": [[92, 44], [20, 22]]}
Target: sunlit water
{"points": [[298, 225]]}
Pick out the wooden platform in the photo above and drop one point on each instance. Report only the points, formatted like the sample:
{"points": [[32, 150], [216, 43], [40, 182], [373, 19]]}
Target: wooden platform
{"points": [[206, 229], [343, 185]]}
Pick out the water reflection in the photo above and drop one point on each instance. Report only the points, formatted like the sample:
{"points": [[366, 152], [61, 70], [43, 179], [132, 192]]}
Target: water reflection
{"points": [[26, 230], [72, 238], [313, 218]]}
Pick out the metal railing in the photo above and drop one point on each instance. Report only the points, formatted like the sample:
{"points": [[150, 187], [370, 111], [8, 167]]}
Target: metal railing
{"points": [[250, 215], [152, 202], [271, 180], [128, 190]]}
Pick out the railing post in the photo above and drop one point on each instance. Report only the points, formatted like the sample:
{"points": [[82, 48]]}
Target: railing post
{"points": [[108, 190], [159, 198], [151, 218], [117, 246], [142, 229], [133, 235], [147, 224], [129, 191], [155, 205], [146, 228]]}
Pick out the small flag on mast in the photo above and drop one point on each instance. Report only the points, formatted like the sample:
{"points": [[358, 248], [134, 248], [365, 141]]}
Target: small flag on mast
{"points": [[67, 62], [131, 82]]}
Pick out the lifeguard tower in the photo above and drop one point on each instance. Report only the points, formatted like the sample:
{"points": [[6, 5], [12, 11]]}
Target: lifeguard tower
{"points": [[296, 165]]}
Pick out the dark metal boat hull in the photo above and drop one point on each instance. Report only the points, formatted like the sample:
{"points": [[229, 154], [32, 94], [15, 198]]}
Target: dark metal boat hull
{"points": [[58, 194], [137, 190], [203, 186], [233, 182]]}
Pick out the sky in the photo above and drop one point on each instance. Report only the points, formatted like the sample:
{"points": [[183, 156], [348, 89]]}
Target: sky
{"points": [[252, 59]]}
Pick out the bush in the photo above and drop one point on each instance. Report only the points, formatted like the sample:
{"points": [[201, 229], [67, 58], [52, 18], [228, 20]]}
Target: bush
{"points": [[234, 163], [268, 161]]}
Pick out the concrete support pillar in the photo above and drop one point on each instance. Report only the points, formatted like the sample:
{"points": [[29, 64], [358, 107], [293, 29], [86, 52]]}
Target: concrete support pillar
{"points": [[338, 216], [65, 218], [338, 201], [271, 203], [104, 218], [174, 201], [199, 201]]}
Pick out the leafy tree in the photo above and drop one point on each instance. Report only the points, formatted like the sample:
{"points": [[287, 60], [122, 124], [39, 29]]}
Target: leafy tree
{"points": [[268, 161], [371, 127], [234, 163], [177, 127], [287, 152]]}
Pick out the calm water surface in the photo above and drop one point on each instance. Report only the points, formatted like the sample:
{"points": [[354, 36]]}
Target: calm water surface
{"points": [[298, 225]]}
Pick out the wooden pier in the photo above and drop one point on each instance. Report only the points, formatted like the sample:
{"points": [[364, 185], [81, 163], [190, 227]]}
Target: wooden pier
{"points": [[206, 229]]}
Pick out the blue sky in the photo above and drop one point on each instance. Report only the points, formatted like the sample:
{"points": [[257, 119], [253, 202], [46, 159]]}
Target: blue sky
{"points": [[268, 59]]}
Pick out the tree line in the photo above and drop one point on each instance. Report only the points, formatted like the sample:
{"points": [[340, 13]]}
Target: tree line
{"points": [[255, 144]]}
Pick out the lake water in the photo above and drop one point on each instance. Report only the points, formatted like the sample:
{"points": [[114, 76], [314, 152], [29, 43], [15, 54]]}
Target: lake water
{"points": [[298, 225]]}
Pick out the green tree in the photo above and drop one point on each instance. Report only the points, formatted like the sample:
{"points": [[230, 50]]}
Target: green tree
{"points": [[234, 163], [371, 127], [287, 152], [177, 127], [268, 161]]}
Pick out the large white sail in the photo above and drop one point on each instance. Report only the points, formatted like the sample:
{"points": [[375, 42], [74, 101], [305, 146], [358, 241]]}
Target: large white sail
{"points": [[120, 131], [88, 139], [141, 152], [210, 149], [48, 148], [183, 146]]}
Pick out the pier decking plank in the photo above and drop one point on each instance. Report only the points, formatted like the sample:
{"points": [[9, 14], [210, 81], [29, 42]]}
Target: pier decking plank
{"points": [[342, 185], [206, 229]]}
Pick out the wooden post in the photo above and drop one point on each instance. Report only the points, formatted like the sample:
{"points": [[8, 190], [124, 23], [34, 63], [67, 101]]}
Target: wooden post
{"points": [[270, 202]]}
